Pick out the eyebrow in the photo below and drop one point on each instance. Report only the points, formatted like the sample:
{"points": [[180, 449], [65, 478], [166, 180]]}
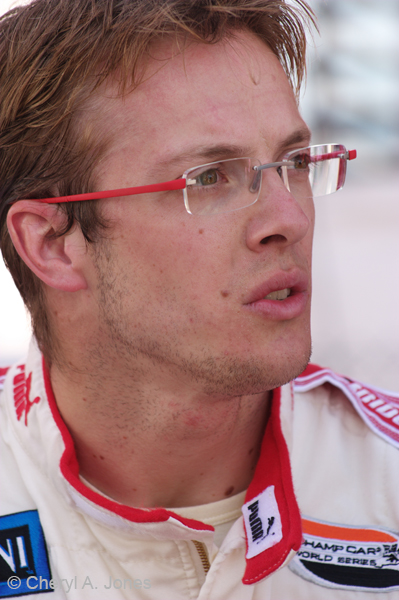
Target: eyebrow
{"points": [[301, 136], [210, 153], [207, 153]]}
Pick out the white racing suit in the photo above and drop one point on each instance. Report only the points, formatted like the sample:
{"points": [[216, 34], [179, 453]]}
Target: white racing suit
{"points": [[320, 519]]}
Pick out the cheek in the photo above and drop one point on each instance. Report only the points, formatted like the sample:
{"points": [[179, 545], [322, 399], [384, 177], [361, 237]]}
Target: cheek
{"points": [[173, 258]]}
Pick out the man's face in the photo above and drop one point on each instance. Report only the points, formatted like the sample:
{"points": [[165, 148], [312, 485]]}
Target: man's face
{"points": [[184, 295]]}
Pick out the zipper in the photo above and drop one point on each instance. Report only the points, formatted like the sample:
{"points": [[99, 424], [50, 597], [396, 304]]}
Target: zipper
{"points": [[203, 555]]}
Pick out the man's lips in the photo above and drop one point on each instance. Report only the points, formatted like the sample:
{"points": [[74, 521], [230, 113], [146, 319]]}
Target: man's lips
{"points": [[297, 284], [296, 281]]}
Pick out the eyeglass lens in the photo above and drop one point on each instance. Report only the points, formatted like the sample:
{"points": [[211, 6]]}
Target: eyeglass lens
{"points": [[317, 170], [232, 184]]}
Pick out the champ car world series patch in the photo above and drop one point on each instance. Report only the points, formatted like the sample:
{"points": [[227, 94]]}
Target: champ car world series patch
{"points": [[345, 557]]}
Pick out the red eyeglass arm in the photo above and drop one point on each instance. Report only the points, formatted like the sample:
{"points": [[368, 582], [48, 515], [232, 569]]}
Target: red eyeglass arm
{"points": [[176, 184], [350, 155]]}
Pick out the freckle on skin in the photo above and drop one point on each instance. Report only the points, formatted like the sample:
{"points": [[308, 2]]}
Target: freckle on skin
{"points": [[224, 294], [200, 231], [229, 491], [102, 458]]}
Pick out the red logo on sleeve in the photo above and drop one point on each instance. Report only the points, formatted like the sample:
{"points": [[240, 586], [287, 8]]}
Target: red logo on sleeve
{"points": [[22, 388]]}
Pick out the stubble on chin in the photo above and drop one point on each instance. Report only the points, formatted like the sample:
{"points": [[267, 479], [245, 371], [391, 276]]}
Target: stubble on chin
{"points": [[234, 376]]}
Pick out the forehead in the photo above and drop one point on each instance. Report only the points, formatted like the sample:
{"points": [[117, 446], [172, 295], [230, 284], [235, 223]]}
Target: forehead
{"points": [[230, 94]]}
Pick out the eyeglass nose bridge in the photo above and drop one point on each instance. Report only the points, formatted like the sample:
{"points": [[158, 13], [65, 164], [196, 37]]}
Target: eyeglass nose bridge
{"points": [[283, 163], [259, 168]]}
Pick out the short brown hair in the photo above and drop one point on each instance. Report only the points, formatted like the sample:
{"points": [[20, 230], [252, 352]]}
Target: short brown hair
{"points": [[55, 53]]}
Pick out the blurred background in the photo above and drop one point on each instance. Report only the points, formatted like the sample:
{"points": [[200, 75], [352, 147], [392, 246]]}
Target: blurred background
{"points": [[351, 98]]}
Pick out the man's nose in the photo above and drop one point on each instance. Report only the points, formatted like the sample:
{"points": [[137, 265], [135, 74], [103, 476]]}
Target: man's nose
{"points": [[278, 216]]}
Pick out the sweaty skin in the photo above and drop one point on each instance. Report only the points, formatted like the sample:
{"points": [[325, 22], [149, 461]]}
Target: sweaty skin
{"points": [[169, 350]]}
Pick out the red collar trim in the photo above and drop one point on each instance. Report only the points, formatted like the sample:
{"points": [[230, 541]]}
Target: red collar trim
{"points": [[274, 469], [70, 470]]}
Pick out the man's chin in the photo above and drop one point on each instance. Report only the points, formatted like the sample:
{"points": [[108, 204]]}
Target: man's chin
{"points": [[234, 377]]}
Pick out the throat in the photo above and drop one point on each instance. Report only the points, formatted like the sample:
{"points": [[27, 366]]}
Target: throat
{"points": [[174, 466]]}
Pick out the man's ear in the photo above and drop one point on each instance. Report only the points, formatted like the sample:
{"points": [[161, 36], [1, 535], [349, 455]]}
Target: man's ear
{"points": [[57, 261]]}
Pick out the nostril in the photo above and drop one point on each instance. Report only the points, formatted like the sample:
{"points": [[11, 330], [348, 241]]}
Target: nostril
{"points": [[275, 238]]}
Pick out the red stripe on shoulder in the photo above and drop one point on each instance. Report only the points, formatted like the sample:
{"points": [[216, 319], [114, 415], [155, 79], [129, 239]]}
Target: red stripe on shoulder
{"points": [[378, 408]]}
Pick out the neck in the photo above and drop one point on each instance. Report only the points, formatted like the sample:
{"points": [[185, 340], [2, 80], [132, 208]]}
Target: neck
{"points": [[145, 441]]}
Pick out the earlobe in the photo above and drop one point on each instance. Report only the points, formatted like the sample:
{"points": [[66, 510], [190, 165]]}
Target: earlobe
{"points": [[57, 261]]}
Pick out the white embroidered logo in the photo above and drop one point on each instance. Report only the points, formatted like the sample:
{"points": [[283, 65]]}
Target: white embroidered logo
{"points": [[262, 522]]}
